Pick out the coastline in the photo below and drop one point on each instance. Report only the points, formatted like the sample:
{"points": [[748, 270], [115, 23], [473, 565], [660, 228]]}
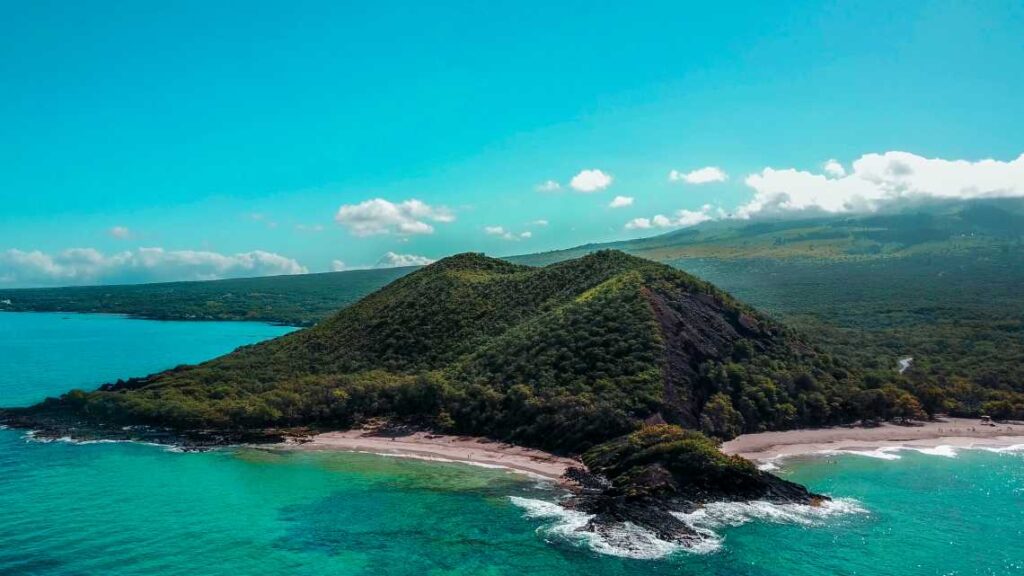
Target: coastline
{"points": [[154, 317], [440, 447], [937, 437]]}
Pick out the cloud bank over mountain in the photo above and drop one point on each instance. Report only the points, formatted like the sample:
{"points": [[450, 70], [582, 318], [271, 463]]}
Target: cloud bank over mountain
{"points": [[877, 181], [874, 182], [90, 266]]}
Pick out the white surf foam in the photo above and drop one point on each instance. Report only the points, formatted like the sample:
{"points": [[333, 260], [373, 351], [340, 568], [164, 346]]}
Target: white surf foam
{"points": [[886, 453], [943, 450], [626, 540], [947, 451], [1003, 449], [718, 515], [631, 541]]}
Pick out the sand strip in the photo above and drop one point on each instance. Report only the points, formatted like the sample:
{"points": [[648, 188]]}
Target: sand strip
{"points": [[470, 450], [954, 432]]}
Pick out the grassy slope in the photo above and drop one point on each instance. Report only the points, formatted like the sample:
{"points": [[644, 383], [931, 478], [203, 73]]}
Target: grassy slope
{"points": [[561, 357]]}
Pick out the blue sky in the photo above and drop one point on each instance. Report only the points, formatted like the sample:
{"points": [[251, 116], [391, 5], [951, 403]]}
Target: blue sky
{"points": [[226, 129]]}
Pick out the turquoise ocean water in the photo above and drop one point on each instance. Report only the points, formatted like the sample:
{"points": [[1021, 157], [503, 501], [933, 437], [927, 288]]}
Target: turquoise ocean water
{"points": [[130, 509]]}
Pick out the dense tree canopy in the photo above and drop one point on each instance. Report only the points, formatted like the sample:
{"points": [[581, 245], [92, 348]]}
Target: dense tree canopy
{"points": [[562, 357]]}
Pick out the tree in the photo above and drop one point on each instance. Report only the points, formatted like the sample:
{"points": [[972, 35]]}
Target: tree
{"points": [[720, 419]]}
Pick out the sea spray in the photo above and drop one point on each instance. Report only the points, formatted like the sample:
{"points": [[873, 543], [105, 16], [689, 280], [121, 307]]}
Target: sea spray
{"points": [[625, 540], [630, 541], [718, 515]]}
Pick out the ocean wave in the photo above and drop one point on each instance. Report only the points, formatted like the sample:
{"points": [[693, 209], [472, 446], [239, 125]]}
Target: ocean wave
{"points": [[626, 540], [886, 453], [892, 452], [631, 541], [1003, 449], [718, 515], [943, 450], [946, 451]]}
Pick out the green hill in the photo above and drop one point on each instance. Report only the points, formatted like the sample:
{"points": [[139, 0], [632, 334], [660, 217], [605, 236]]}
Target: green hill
{"points": [[562, 357]]}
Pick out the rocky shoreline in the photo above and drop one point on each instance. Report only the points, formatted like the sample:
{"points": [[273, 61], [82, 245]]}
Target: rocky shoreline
{"points": [[611, 507], [43, 428], [610, 487]]}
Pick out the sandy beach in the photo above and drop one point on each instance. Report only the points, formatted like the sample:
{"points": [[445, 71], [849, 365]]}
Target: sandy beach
{"points": [[952, 432], [470, 450], [762, 447]]}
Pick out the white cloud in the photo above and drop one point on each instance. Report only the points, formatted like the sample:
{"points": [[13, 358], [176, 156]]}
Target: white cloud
{"points": [[878, 180], [703, 175], [548, 186], [309, 227], [693, 217], [90, 266], [833, 168], [338, 266], [505, 234], [120, 232], [638, 224], [540, 222], [682, 219], [379, 216], [621, 202], [393, 260], [590, 181], [499, 231], [661, 221]]}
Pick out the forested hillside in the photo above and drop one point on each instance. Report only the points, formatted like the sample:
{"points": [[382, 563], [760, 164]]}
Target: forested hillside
{"points": [[938, 283], [562, 357]]}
